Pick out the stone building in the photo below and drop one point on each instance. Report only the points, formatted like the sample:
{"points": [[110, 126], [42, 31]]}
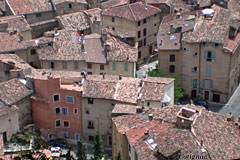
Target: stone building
{"points": [[15, 92], [141, 21], [95, 54]]}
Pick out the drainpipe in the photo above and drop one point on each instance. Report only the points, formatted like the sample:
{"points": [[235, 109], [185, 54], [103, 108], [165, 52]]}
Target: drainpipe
{"points": [[199, 66]]}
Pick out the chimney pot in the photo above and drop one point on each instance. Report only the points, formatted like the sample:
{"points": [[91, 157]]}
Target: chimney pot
{"points": [[150, 117], [146, 132]]}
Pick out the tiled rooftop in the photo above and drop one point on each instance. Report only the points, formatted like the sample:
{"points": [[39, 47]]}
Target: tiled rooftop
{"points": [[220, 138], [94, 14], [74, 21], [13, 91], [169, 42], [178, 4], [62, 1], [14, 60], [124, 109], [132, 12], [113, 3], [29, 6], [5, 110], [16, 23]]}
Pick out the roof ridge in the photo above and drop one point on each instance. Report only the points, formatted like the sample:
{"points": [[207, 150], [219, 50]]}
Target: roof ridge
{"points": [[132, 12]]}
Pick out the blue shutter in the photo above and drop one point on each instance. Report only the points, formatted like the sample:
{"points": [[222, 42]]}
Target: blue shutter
{"points": [[197, 83], [213, 44], [126, 67], [206, 44], [76, 65], [114, 66], [205, 55], [211, 84], [208, 70], [191, 83], [49, 65], [213, 56], [203, 84]]}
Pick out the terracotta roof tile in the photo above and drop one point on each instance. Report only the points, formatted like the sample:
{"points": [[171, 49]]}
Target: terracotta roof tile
{"points": [[113, 3], [5, 110], [132, 12], [93, 14], [13, 91]]}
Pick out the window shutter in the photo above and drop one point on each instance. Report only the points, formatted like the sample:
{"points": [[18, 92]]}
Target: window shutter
{"points": [[114, 66], [205, 55], [192, 69], [197, 83], [49, 65], [213, 44], [211, 84], [203, 84], [208, 70], [213, 56], [206, 44], [191, 83], [125, 67]]}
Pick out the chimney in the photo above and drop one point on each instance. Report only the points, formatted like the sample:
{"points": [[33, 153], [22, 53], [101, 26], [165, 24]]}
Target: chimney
{"points": [[120, 77], [146, 132], [230, 117], [20, 37], [178, 16], [150, 117], [139, 110], [142, 104]]}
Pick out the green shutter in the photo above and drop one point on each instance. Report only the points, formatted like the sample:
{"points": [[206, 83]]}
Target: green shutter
{"points": [[126, 67], [211, 84], [75, 65], [114, 67]]}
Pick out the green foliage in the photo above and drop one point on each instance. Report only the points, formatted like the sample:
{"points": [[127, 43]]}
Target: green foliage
{"points": [[119, 156], [28, 154], [68, 155], [98, 149], [178, 91], [81, 152]]}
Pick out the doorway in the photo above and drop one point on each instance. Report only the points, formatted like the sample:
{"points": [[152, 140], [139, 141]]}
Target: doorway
{"points": [[150, 50], [206, 95]]}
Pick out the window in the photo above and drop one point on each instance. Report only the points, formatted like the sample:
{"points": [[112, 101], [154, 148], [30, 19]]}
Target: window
{"points": [[205, 44], [139, 54], [57, 110], [90, 138], [38, 15], [144, 21], [144, 41], [75, 65], [126, 67], [69, 99], [209, 56], [208, 70], [194, 93], [58, 123], [110, 140], [139, 23], [69, 6], [33, 51], [56, 98], [144, 31], [194, 83], [113, 19], [51, 65], [90, 125], [66, 124], [75, 111], [64, 111], [87, 111], [77, 137], [171, 68], [155, 15], [195, 54], [148, 103], [90, 100], [139, 34], [113, 28], [216, 98], [65, 135], [101, 67], [172, 58], [114, 67], [185, 49], [216, 45], [89, 65], [64, 65], [139, 44], [194, 69], [89, 73], [207, 84]]}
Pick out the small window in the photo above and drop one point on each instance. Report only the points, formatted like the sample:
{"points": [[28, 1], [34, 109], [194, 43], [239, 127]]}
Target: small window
{"points": [[195, 54], [90, 100], [148, 103], [113, 28], [90, 138], [185, 49], [144, 31], [145, 42], [171, 68], [51, 65], [75, 65], [75, 111], [69, 99], [216, 45], [113, 19], [64, 111], [38, 15], [172, 58], [69, 6], [216, 98], [144, 21], [87, 111], [139, 23], [64, 65], [101, 67], [110, 140], [155, 15], [155, 24], [139, 44], [209, 56], [57, 110], [56, 98], [90, 125], [65, 135], [49, 44], [139, 34], [58, 123], [114, 66], [89, 73], [126, 67], [194, 69], [33, 51], [77, 137], [66, 124], [139, 54], [89, 65]]}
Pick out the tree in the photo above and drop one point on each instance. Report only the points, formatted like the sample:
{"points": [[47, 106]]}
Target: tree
{"points": [[98, 150], [119, 156], [178, 91], [81, 152]]}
